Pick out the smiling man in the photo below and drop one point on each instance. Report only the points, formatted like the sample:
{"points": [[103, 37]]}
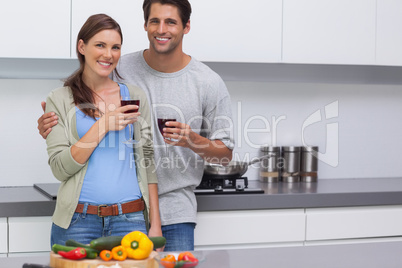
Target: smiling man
{"points": [[182, 88], [165, 30]]}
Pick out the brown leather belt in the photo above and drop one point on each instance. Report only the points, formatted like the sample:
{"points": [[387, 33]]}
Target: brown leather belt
{"points": [[113, 210]]}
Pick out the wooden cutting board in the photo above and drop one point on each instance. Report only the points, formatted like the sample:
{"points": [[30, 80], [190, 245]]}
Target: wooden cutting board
{"points": [[57, 261]]}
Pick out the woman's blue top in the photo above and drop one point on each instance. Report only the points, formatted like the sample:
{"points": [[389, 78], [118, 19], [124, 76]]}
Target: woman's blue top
{"points": [[111, 176]]}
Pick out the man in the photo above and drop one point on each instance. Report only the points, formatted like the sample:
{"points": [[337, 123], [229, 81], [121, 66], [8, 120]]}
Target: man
{"points": [[180, 87]]}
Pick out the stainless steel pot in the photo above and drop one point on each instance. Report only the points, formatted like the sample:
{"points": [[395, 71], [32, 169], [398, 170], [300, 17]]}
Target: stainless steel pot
{"points": [[234, 168]]}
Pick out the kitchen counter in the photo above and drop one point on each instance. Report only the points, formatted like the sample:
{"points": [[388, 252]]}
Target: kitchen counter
{"points": [[28, 201], [324, 193], [367, 255], [24, 202]]}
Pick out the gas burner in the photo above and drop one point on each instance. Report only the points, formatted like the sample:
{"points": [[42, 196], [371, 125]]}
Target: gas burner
{"points": [[220, 184], [240, 188]]}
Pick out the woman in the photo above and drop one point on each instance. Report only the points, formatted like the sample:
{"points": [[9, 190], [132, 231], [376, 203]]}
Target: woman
{"points": [[107, 188]]}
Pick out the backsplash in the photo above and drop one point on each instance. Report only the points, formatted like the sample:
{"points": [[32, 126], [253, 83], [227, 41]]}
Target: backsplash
{"points": [[356, 126]]}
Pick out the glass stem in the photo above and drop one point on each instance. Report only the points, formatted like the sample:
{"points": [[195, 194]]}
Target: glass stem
{"points": [[131, 131]]}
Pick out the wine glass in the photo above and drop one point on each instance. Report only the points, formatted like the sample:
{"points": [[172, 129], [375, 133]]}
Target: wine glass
{"points": [[127, 100], [162, 124]]}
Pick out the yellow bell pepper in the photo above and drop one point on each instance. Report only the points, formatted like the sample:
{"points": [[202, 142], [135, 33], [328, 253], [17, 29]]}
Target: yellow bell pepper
{"points": [[138, 245]]}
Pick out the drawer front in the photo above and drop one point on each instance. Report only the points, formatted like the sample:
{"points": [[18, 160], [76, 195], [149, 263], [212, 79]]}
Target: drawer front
{"points": [[355, 222], [3, 236], [248, 227], [29, 234]]}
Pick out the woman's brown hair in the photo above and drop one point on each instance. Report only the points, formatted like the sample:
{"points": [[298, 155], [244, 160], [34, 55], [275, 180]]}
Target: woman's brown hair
{"points": [[82, 94]]}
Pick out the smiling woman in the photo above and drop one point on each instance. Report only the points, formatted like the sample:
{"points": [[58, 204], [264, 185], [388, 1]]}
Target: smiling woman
{"points": [[103, 190], [101, 52], [98, 45]]}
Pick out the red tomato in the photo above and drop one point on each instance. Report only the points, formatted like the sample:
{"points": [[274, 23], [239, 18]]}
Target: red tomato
{"points": [[192, 261], [186, 253]]}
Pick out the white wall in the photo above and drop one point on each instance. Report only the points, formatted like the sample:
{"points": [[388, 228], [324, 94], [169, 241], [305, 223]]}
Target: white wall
{"points": [[367, 144], [23, 156], [368, 141]]}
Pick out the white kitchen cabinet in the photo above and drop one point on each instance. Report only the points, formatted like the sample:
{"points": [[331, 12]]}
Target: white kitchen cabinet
{"points": [[235, 31], [128, 13], [247, 227], [29, 234], [3, 236], [329, 32], [389, 34], [353, 222], [35, 29]]}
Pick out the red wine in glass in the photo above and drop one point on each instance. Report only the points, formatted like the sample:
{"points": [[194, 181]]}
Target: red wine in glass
{"points": [[127, 101], [130, 102], [162, 123]]}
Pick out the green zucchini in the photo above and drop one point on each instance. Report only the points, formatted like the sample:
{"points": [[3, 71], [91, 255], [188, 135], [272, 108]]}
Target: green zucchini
{"points": [[91, 253], [106, 242], [57, 247], [73, 243], [159, 241]]}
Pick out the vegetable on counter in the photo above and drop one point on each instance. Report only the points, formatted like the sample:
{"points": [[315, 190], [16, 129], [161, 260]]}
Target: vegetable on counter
{"points": [[119, 253], [73, 243], [109, 242], [184, 254], [91, 253], [159, 241], [57, 247], [106, 255], [190, 258], [180, 264], [138, 245], [169, 258], [190, 261], [168, 261], [184, 259], [75, 254], [106, 242]]}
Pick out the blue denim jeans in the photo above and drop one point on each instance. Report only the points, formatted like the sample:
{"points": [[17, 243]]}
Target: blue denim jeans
{"points": [[179, 237], [86, 227]]}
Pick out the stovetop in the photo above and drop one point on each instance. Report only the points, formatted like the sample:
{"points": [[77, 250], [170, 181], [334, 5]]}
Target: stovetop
{"points": [[228, 191], [225, 185]]}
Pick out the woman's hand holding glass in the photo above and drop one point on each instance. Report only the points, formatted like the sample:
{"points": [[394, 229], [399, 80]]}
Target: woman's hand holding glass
{"points": [[119, 118]]}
